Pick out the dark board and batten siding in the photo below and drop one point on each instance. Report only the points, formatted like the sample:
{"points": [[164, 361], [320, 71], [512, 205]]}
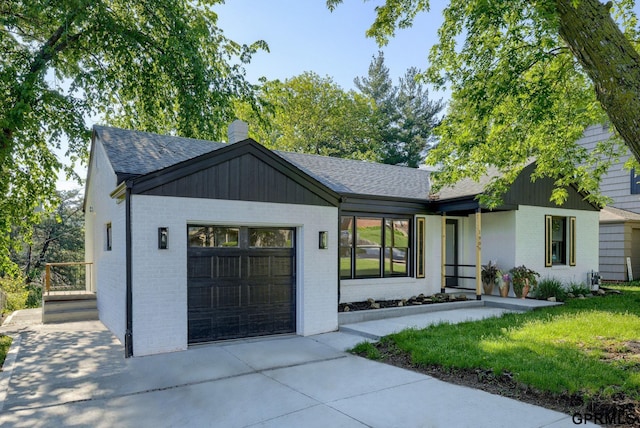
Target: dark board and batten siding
{"points": [[245, 177], [524, 192]]}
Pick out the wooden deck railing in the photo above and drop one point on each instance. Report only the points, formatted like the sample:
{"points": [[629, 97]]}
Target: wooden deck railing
{"points": [[88, 275]]}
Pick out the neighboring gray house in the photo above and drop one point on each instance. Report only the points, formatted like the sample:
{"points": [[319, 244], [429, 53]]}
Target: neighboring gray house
{"points": [[194, 241], [620, 220]]}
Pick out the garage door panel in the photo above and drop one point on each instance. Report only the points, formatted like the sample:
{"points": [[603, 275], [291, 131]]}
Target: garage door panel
{"points": [[241, 291], [201, 266], [200, 328], [281, 266], [228, 266], [281, 293]]}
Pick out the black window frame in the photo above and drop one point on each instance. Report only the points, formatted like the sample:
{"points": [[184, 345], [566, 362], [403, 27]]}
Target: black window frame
{"points": [[108, 237], [634, 188], [349, 246]]}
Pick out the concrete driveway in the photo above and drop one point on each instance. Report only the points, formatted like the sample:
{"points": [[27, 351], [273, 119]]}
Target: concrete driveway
{"points": [[75, 374]]}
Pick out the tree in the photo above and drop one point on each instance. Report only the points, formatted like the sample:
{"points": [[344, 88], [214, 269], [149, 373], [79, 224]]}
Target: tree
{"points": [[379, 87], [526, 79], [160, 66], [312, 114], [404, 115], [417, 118], [58, 236]]}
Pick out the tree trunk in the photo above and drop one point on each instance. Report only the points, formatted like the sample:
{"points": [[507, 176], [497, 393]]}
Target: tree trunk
{"points": [[609, 59]]}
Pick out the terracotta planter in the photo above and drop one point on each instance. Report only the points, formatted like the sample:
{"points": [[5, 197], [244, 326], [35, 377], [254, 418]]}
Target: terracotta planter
{"points": [[488, 288], [504, 288], [521, 291]]}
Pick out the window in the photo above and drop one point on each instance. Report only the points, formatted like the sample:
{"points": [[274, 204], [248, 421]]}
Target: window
{"points": [[560, 240], [635, 186], [420, 248], [271, 238], [374, 247], [213, 236], [108, 237]]}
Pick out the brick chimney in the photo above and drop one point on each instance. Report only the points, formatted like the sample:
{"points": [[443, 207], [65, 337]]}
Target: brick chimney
{"points": [[237, 131]]}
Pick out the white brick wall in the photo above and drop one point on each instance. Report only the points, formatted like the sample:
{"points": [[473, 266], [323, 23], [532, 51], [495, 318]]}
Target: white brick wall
{"points": [[530, 242], [160, 276], [109, 269]]}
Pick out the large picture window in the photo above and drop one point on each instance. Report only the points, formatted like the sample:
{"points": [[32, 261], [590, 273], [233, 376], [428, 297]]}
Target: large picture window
{"points": [[560, 240], [374, 247]]}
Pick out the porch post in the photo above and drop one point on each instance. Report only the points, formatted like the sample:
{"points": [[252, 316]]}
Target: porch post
{"points": [[443, 254], [478, 254]]}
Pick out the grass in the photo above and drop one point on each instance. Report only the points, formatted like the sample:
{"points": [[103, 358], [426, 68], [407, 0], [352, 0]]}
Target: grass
{"points": [[582, 347], [5, 343]]}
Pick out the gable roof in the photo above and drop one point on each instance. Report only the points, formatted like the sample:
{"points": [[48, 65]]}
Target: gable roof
{"points": [[137, 153]]}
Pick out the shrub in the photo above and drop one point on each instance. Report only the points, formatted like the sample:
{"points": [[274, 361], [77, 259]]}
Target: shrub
{"points": [[550, 287], [577, 288], [20, 295]]}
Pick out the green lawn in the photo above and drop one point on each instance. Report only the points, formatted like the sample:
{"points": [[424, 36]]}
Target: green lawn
{"points": [[5, 343], [589, 347]]}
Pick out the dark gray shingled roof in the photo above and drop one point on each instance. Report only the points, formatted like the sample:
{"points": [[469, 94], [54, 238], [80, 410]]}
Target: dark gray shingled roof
{"points": [[139, 153], [467, 187], [347, 176]]}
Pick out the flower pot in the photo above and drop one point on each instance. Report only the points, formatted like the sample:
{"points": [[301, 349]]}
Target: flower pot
{"points": [[521, 288], [488, 288], [503, 286], [525, 289]]}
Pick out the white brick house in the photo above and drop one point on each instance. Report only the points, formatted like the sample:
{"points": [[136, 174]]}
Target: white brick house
{"points": [[195, 241]]}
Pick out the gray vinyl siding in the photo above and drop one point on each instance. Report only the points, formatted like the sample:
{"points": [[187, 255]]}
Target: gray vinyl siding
{"points": [[613, 252], [616, 184], [617, 242]]}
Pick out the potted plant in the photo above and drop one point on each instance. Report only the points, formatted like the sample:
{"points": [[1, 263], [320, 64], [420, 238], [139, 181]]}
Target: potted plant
{"points": [[504, 282], [524, 279], [489, 276]]}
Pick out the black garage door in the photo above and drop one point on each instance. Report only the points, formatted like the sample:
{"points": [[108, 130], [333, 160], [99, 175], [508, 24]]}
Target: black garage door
{"points": [[241, 282]]}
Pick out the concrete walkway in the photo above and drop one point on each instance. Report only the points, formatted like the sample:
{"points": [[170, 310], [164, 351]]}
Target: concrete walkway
{"points": [[75, 374]]}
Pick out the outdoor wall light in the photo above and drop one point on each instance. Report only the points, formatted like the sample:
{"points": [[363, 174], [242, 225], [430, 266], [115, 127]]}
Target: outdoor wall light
{"points": [[163, 238], [323, 241]]}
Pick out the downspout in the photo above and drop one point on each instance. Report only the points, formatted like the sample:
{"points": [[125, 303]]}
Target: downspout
{"points": [[128, 336]]}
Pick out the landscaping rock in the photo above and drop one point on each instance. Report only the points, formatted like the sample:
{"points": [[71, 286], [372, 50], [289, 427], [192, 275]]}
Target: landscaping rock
{"points": [[552, 299], [400, 303], [462, 297], [346, 308], [370, 300], [571, 295], [375, 306]]}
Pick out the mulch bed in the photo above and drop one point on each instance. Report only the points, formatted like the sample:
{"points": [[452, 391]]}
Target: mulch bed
{"points": [[412, 301]]}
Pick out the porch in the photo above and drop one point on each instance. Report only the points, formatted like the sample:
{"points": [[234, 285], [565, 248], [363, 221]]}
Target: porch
{"points": [[68, 294]]}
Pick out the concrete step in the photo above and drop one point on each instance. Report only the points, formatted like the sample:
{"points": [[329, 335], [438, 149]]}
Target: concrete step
{"points": [[63, 305], [69, 316], [69, 307]]}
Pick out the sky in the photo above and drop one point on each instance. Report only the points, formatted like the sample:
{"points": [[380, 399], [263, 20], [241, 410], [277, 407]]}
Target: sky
{"points": [[303, 35]]}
